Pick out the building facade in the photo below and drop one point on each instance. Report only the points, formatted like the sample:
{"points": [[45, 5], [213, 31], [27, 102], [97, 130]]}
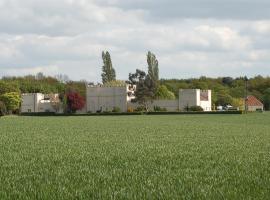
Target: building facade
{"points": [[101, 98], [37, 102], [254, 104], [195, 97]]}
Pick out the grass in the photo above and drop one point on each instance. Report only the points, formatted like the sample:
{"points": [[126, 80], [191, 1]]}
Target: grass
{"points": [[135, 157]]}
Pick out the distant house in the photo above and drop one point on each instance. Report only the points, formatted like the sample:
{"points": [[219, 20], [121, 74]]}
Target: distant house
{"points": [[195, 97], [253, 104], [37, 102]]}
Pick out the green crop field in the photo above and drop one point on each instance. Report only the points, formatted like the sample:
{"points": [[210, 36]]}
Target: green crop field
{"points": [[135, 157]]}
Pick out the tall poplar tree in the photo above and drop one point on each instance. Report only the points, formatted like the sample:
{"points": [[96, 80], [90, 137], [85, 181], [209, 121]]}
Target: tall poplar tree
{"points": [[146, 84], [108, 72], [153, 72]]}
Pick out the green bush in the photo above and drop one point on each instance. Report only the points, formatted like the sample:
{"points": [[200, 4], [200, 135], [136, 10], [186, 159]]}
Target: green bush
{"points": [[12, 101], [164, 93], [196, 108], [159, 109], [116, 110], [3, 109], [140, 109]]}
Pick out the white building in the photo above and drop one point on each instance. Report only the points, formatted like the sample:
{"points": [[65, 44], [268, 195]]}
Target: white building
{"points": [[101, 98], [195, 97], [37, 102]]}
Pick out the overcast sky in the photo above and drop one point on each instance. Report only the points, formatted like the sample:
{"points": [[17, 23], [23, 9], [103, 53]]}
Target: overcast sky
{"points": [[190, 38]]}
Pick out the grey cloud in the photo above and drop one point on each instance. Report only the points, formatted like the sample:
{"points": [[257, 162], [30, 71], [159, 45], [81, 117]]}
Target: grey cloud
{"points": [[221, 9], [67, 36]]}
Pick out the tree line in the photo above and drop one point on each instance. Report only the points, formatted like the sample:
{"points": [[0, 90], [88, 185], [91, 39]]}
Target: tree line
{"points": [[71, 93], [225, 90]]}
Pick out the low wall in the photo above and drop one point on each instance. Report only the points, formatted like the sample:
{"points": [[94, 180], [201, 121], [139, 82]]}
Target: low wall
{"points": [[170, 105]]}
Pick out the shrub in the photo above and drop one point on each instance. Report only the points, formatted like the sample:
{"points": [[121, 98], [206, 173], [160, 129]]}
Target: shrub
{"points": [[159, 109], [140, 109], [107, 111], [164, 93], [116, 109], [11, 100], [3, 109], [196, 108], [74, 102]]}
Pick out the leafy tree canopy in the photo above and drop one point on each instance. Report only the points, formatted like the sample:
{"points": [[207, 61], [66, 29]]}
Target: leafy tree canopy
{"points": [[164, 93], [11, 100], [115, 83], [266, 98], [75, 102], [146, 84]]}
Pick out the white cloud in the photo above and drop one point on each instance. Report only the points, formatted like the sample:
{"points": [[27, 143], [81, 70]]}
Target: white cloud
{"points": [[224, 37], [262, 27], [50, 70], [67, 36]]}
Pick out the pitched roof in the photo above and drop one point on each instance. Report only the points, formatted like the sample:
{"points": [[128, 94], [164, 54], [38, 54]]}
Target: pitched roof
{"points": [[253, 101]]}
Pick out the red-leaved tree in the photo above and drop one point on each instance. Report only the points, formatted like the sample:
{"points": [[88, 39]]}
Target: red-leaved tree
{"points": [[74, 101]]}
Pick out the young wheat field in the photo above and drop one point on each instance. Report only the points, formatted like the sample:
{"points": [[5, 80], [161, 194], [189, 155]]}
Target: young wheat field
{"points": [[135, 157]]}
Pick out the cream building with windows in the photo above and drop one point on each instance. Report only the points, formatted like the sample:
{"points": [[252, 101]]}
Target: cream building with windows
{"points": [[37, 102], [102, 98]]}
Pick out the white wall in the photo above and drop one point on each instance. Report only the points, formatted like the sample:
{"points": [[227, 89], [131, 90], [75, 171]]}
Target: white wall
{"points": [[106, 98], [189, 97], [206, 104], [170, 105], [254, 108], [45, 107], [30, 102], [109, 97], [33, 102]]}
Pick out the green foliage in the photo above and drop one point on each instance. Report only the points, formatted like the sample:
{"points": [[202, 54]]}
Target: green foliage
{"points": [[237, 92], [115, 83], [3, 109], [152, 78], [238, 103], [108, 72], [65, 104], [159, 109], [144, 92], [140, 109], [223, 98], [224, 89], [146, 84], [12, 100], [164, 157], [116, 110], [6, 87], [266, 99], [153, 70], [30, 84], [195, 108], [164, 93], [76, 86]]}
